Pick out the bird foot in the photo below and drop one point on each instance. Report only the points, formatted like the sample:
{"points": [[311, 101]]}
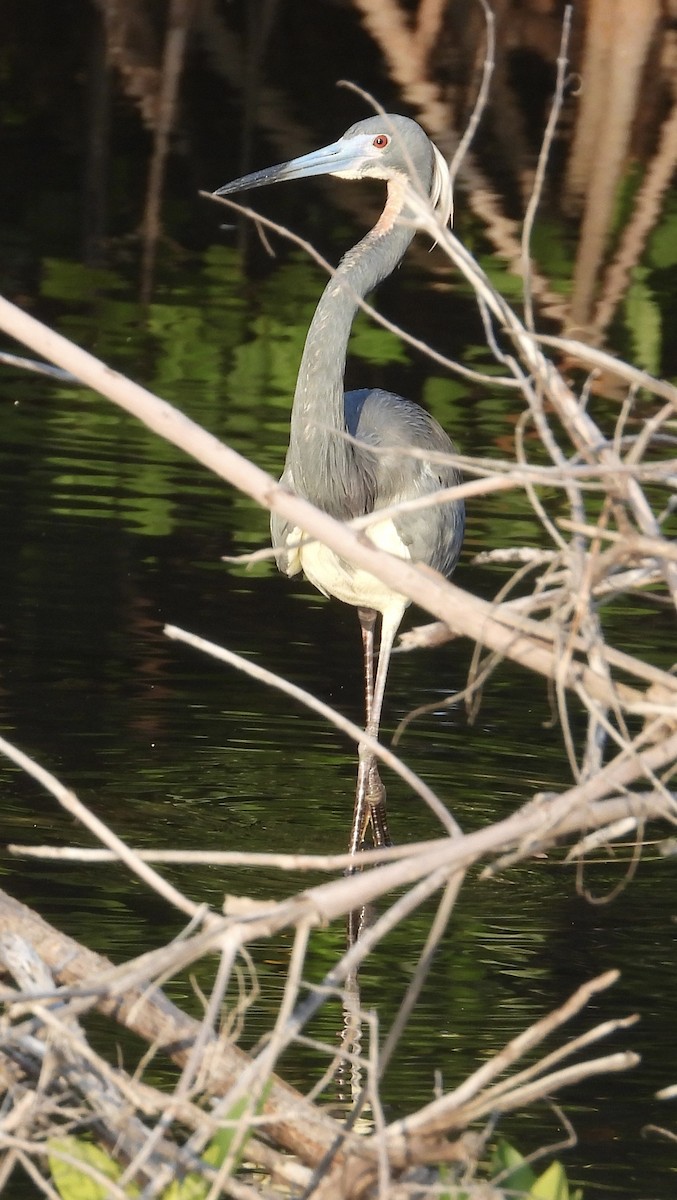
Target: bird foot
{"points": [[376, 799], [370, 810]]}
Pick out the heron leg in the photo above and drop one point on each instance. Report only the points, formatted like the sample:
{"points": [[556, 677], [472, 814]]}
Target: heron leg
{"points": [[368, 617], [370, 795], [361, 811]]}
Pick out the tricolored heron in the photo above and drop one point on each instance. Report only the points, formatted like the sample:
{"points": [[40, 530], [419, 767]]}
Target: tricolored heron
{"points": [[350, 478]]}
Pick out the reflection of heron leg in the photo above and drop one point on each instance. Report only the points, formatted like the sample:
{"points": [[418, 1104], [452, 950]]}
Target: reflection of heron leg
{"points": [[350, 1070]]}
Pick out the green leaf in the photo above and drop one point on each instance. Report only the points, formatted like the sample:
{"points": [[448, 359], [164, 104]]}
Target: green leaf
{"points": [[194, 1187], [551, 1185], [74, 1184], [191, 1187], [447, 1176], [219, 1148], [516, 1174]]}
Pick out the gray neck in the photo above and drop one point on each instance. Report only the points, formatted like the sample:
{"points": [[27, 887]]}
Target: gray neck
{"points": [[322, 464]]}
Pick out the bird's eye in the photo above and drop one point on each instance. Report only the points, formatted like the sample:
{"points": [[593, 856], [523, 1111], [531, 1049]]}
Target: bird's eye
{"points": [[380, 141]]}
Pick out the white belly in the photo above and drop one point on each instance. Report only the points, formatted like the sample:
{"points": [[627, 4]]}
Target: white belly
{"points": [[335, 577]]}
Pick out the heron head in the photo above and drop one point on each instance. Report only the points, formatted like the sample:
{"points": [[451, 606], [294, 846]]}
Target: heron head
{"points": [[382, 147]]}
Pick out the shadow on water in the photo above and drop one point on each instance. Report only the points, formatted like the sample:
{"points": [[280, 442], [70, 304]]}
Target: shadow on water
{"points": [[106, 533]]}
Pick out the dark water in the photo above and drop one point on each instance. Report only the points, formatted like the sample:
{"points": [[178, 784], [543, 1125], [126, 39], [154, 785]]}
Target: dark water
{"points": [[106, 534]]}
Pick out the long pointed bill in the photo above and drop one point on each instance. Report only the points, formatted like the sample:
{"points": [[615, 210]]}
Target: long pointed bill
{"points": [[346, 155]]}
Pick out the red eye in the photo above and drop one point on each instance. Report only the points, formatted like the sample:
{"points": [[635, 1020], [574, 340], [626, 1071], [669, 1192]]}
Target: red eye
{"points": [[380, 141]]}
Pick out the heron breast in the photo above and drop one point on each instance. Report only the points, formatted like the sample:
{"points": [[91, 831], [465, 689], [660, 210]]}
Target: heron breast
{"points": [[333, 576]]}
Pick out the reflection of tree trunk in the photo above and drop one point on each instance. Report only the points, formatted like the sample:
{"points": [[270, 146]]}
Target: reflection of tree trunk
{"points": [[178, 25], [226, 53], [132, 49], [260, 20], [406, 50], [95, 186], [647, 207], [231, 59], [406, 53], [617, 41], [429, 24]]}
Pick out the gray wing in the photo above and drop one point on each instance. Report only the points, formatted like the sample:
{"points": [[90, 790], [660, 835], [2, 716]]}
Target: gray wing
{"points": [[394, 425], [433, 534]]}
